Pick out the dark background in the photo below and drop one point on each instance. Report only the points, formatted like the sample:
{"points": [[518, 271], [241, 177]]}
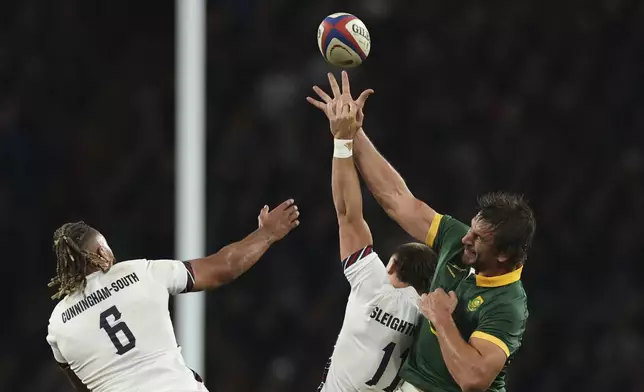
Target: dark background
{"points": [[541, 97]]}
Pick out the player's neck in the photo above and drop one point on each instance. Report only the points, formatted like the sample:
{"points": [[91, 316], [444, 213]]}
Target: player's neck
{"points": [[91, 270], [496, 270]]}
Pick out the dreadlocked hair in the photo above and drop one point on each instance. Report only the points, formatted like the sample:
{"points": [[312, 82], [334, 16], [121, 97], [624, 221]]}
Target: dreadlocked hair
{"points": [[72, 261]]}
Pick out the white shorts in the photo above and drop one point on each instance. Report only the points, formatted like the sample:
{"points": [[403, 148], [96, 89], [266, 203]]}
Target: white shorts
{"points": [[407, 387]]}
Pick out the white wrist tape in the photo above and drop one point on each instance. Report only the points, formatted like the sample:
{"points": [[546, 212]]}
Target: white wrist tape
{"points": [[342, 148]]}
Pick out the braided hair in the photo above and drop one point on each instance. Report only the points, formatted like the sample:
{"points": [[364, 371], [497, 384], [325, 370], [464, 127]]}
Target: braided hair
{"points": [[73, 261]]}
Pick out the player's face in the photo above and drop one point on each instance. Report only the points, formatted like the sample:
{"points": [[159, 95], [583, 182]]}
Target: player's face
{"points": [[479, 248]]}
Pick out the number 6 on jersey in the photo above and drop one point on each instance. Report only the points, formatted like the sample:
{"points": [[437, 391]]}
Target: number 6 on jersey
{"points": [[111, 330]]}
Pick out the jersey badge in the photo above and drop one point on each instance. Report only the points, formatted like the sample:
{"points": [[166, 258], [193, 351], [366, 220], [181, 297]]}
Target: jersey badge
{"points": [[474, 303]]}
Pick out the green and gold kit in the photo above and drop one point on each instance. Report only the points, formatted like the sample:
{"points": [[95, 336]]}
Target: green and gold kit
{"points": [[490, 308]]}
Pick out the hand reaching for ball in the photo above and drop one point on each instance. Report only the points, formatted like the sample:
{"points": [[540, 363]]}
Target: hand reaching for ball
{"points": [[280, 221], [343, 95], [343, 118]]}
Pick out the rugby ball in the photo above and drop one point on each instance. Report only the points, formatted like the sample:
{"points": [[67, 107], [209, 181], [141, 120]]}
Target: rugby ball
{"points": [[344, 40]]}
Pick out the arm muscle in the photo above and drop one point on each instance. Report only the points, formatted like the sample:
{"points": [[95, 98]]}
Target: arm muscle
{"points": [[473, 365], [347, 198], [390, 190], [231, 261]]}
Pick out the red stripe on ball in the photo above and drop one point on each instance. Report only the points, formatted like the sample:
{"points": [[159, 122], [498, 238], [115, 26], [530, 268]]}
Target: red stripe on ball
{"points": [[341, 26], [327, 29]]}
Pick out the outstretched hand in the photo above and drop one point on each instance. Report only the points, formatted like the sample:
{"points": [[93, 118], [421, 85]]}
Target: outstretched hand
{"points": [[343, 95], [343, 118], [280, 221]]}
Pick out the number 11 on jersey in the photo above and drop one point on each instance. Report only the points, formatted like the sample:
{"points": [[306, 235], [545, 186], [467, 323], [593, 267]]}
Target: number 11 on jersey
{"points": [[389, 350]]}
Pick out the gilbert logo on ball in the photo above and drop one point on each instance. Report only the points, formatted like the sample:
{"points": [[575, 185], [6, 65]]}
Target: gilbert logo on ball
{"points": [[344, 40]]}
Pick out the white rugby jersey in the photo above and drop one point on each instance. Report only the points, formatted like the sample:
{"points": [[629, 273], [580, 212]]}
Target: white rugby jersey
{"points": [[117, 336], [378, 329]]}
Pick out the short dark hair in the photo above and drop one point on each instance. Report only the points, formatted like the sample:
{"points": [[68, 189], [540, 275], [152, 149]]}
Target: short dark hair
{"points": [[72, 258], [512, 222], [415, 264]]}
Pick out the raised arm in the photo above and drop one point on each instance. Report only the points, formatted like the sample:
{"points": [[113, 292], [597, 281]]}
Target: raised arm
{"points": [[390, 190], [233, 260], [347, 195], [384, 182]]}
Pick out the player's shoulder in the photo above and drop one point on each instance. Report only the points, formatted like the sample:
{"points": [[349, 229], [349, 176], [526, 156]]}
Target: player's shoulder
{"points": [[513, 293], [397, 298], [63, 304], [58, 309], [444, 236], [121, 268], [360, 258], [374, 259], [446, 221], [364, 265], [449, 226], [130, 264], [510, 299], [135, 265]]}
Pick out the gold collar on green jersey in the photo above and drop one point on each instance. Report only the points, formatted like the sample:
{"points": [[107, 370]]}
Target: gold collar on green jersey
{"points": [[498, 281]]}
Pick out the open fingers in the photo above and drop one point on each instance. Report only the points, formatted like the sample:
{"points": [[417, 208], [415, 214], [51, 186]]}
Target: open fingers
{"points": [[316, 103], [324, 96], [346, 110], [330, 110], [291, 215], [286, 204], [353, 109], [363, 97], [346, 88], [334, 86], [294, 223], [294, 213], [339, 108]]}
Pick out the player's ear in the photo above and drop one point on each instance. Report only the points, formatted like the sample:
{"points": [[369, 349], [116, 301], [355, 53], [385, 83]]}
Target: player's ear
{"points": [[105, 254], [102, 253], [502, 257], [391, 266]]}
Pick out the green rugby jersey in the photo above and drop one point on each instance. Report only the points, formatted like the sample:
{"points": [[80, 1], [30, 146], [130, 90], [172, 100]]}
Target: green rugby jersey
{"points": [[490, 308]]}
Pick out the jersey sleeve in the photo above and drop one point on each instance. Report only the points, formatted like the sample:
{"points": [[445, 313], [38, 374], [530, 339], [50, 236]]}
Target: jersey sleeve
{"points": [[503, 325], [58, 356], [444, 237], [365, 271], [176, 276]]}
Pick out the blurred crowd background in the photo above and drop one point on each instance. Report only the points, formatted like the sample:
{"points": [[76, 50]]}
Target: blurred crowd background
{"points": [[541, 97]]}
